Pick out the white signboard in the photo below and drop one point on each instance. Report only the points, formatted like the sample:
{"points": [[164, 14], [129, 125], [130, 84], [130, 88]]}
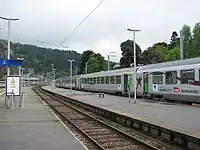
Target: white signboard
{"points": [[13, 84]]}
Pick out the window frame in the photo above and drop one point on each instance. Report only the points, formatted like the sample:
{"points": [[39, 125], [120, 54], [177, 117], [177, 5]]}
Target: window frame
{"points": [[120, 79], [199, 74], [187, 70], [157, 75], [94, 80], [106, 79], [103, 80], [166, 77], [98, 80], [113, 79]]}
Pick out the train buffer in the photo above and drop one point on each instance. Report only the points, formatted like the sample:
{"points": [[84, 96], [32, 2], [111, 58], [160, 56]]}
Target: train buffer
{"points": [[101, 95]]}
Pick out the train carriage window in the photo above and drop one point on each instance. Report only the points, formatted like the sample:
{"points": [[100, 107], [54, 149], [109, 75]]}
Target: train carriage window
{"points": [[87, 80], [106, 80], [102, 80], [187, 76], [157, 78], [98, 80], [171, 77], [94, 80], [118, 79], [91, 80], [84, 81], [112, 80], [199, 74]]}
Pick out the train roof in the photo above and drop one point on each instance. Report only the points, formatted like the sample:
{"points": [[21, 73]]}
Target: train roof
{"points": [[177, 63], [107, 73]]}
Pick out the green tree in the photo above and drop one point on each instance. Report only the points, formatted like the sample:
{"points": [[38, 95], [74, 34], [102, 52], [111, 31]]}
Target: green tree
{"points": [[160, 50], [38, 58], [148, 56], [188, 50], [84, 58], [128, 53], [95, 63], [155, 53], [173, 54], [3, 49], [174, 41], [196, 40], [2, 74]]}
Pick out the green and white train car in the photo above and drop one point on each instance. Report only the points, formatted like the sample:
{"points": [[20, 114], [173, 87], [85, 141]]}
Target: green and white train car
{"points": [[175, 81]]}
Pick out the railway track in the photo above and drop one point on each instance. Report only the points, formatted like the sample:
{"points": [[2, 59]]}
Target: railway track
{"points": [[98, 134]]}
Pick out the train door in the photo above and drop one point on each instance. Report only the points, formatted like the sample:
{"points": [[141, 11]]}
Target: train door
{"points": [[125, 83], [146, 83]]}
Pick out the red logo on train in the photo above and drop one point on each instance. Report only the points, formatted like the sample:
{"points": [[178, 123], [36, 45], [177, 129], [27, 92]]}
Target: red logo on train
{"points": [[176, 89]]}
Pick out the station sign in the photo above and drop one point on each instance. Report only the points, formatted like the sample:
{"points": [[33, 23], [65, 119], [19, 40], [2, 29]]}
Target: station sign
{"points": [[13, 85], [11, 62]]}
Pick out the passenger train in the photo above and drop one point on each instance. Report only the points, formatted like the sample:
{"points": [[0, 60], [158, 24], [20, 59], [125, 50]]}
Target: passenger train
{"points": [[171, 81]]}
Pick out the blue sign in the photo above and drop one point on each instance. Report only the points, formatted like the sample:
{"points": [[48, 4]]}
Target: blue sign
{"points": [[10, 62]]}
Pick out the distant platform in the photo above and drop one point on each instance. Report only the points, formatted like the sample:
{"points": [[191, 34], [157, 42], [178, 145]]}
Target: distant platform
{"points": [[33, 127], [181, 118]]}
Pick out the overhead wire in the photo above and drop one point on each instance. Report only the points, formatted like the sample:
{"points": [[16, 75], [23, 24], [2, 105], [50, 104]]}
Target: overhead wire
{"points": [[80, 23]]}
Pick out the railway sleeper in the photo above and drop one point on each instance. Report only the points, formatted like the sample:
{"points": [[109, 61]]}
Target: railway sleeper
{"points": [[172, 137]]}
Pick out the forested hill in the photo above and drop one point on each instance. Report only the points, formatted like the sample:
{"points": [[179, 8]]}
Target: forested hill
{"points": [[40, 59]]}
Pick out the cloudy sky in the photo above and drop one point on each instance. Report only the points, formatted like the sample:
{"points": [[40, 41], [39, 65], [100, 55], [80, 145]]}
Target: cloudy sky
{"points": [[51, 21]]}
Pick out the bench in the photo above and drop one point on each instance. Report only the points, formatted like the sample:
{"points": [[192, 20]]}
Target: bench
{"points": [[101, 95]]}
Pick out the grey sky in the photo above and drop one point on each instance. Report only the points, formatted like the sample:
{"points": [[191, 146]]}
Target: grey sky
{"points": [[52, 20]]}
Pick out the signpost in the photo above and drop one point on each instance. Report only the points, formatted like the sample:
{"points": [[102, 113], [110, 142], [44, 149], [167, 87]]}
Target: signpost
{"points": [[9, 62], [13, 83]]}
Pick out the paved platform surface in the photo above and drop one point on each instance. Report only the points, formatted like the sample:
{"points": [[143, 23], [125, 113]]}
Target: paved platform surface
{"points": [[182, 118], [33, 127]]}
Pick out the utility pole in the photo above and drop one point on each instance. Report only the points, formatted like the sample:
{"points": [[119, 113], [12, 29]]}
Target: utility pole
{"points": [[86, 67], [22, 76], [71, 61], [108, 62], [134, 51], [8, 56], [76, 71], [109, 59], [54, 74], [181, 45], [52, 67]]}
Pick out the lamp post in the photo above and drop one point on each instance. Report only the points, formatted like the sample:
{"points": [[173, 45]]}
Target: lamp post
{"points": [[134, 51], [71, 71], [76, 71], [86, 67], [22, 74], [8, 57], [20, 66], [52, 67], [109, 59], [54, 74]]}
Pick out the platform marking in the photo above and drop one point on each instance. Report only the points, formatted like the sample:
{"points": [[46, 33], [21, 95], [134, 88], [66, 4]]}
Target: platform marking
{"points": [[62, 123]]}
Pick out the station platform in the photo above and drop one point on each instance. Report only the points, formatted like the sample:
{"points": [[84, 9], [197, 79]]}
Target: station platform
{"points": [[33, 127], [181, 118]]}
